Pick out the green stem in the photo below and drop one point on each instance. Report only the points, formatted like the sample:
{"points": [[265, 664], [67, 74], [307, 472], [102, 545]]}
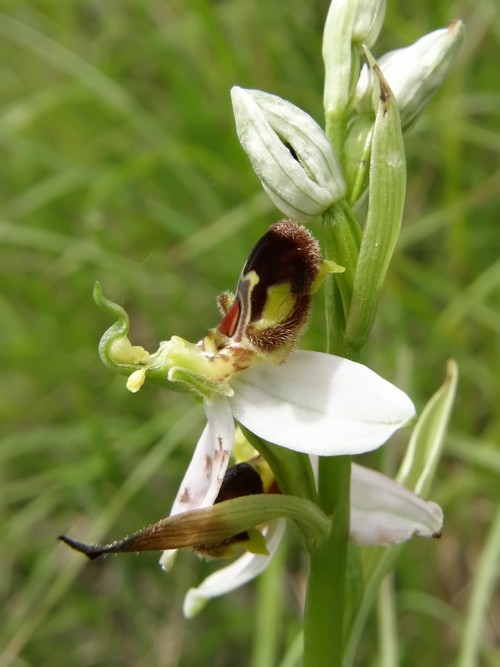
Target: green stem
{"points": [[482, 591], [388, 634], [324, 615], [335, 130], [270, 605], [342, 239]]}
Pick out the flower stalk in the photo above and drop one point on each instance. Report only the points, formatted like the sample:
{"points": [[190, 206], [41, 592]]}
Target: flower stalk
{"points": [[324, 615]]}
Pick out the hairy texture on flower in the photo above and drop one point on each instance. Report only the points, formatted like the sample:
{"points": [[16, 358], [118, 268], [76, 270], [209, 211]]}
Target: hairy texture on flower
{"points": [[273, 296]]}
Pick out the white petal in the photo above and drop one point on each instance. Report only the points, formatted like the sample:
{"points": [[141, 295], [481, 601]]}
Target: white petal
{"points": [[238, 573], [319, 404], [208, 465], [385, 512]]}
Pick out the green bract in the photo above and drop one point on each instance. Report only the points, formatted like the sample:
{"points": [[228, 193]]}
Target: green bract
{"points": [[386, 195]]}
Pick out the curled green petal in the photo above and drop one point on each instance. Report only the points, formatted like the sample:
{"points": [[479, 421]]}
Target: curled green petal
{"points": [[115, 349]]}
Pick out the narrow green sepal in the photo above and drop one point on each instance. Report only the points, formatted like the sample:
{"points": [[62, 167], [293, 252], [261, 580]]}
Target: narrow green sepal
{"points": [[357, 156], [292, 470], [342, 239]]}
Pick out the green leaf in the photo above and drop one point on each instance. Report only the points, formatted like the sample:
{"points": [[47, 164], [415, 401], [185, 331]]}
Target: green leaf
{"points": [[419, 465]]}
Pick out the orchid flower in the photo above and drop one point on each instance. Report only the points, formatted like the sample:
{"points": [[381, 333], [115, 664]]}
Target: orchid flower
{"points": [[246, 372], [383, 512]]}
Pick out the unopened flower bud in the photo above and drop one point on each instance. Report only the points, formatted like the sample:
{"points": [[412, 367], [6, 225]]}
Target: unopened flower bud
{"points": [[289, 152], [368, 21], [349, 23], [413, 73]]}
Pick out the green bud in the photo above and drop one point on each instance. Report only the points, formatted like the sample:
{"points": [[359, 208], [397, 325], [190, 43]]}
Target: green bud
{"points": [[368, 21]]}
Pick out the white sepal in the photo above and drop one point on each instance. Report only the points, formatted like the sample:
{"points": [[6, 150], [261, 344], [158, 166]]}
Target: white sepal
{"points": [[385, 512], [368, 21], [238, 573], [205, 474], [318, 403]]}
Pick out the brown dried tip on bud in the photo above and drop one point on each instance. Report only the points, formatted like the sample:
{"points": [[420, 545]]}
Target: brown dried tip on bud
{"points": [[273, 296]]}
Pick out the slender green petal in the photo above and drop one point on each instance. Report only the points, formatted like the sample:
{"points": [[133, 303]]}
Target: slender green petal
{"points": [[292, 470], [342, 238], [358, 147]]}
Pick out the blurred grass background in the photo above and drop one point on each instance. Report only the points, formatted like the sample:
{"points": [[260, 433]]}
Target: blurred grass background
{"points": [[121, 164]]}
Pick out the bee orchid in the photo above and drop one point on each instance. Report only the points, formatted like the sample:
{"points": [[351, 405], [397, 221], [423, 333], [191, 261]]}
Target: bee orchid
{"points": [[247, 372], [383, 512]]}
